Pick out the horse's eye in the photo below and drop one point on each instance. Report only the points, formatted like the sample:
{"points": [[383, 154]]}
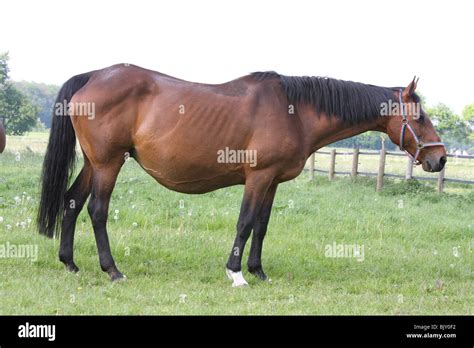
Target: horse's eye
{"points": [[420, 118]]}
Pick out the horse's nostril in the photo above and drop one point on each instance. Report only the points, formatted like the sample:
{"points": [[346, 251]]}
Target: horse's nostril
{"points": [[442, 161]]}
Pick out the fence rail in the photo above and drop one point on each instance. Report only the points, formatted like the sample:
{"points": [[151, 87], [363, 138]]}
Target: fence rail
{"points": [[331, 172]]}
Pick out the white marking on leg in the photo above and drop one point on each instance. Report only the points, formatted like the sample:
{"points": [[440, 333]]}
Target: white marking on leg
{"points": [[237, 278]]}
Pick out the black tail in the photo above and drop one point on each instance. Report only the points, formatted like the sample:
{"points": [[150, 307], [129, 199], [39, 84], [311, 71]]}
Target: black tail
{"points": [[59, 161]]}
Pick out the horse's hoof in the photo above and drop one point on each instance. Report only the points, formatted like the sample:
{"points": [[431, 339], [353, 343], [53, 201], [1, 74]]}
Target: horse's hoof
{"points": [[259, 273], [71, 267], [116, 276], [237, 278]]}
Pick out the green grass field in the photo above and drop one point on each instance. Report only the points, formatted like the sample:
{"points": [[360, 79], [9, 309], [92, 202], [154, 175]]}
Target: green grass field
{"points": [[418, 249]]}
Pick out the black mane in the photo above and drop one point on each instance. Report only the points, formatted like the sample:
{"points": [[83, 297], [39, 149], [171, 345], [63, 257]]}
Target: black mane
{"points": [[352, 102]]}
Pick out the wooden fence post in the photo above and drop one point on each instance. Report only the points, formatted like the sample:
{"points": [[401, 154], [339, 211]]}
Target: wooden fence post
{"points": [[409, 173], [355, 163], [311, 167], [441, 180], [381, 172], [332, 164]]}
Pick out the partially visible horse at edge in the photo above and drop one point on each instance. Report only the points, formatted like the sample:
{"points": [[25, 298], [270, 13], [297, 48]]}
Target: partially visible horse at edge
{"points": [[175, 128], [3, 137]]}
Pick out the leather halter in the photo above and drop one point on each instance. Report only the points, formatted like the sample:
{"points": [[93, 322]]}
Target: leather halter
{"points": [[419, 144]]}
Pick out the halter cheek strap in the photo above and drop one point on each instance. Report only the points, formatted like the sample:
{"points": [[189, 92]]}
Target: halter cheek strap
{"points": [[419, 144]]}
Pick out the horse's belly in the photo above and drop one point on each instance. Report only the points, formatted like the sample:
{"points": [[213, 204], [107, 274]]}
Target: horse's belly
{"points": [[192, 177]]}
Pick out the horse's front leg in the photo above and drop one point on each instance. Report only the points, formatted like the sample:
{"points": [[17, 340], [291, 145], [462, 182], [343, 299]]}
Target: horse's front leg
{"points": [[256, 187], [254, 263]]}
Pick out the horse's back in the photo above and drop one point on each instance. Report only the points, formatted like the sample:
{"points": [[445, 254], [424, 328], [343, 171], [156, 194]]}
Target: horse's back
{"points": [[135, 103]]}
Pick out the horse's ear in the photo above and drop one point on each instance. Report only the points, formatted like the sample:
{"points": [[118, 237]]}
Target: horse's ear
{"points": [[410, 89]]}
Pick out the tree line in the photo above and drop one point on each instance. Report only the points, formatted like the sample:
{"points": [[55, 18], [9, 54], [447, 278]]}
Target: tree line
{"points": [[24, 106], [27, 106]]}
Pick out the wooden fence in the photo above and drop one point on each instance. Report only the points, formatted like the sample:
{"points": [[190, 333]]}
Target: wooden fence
{"points": [[381, 174]]}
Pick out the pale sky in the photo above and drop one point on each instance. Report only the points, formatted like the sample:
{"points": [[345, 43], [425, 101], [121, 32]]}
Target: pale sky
{"points": [[379, 42]]}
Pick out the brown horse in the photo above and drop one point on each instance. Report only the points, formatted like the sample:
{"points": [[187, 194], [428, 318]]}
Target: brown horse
{"points": [[3, 139], [257, 130]]}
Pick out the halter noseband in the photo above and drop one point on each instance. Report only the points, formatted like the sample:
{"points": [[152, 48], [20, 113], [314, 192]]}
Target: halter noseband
{"points": [[419, 144]]}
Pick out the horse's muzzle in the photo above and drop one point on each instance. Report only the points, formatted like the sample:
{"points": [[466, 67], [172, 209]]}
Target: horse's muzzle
{"points": [[432, 165]]}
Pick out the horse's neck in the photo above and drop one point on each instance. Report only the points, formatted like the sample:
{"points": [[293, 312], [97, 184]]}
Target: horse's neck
{"points": [[321, 130]]}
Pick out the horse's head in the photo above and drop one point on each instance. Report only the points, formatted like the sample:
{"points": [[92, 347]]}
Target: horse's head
{"points": [[411, 129]]}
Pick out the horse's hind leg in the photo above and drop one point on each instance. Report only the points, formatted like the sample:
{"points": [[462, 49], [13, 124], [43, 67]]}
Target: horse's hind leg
{"points": [[103, 182], [74, 200], [256, 187], [255, 256]]}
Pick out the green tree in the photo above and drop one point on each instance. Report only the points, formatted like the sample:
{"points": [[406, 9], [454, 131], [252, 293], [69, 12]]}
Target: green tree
{"points": [[468, 116], [453, 129], [42, 96], [18, 114], [3, 68], [468, 113]]}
